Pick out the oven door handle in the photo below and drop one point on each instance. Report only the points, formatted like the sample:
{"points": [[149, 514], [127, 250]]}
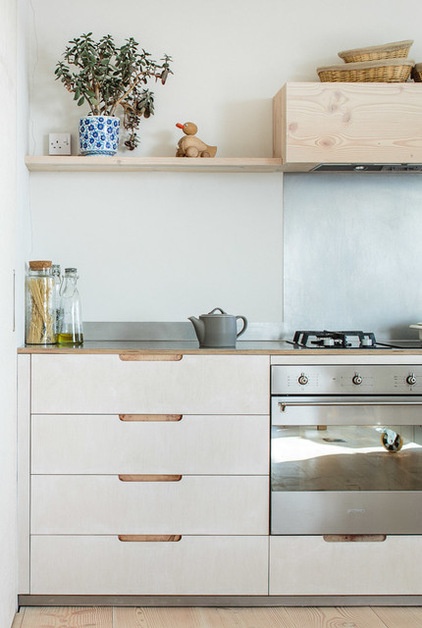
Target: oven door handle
{"points": [[308, 404]]}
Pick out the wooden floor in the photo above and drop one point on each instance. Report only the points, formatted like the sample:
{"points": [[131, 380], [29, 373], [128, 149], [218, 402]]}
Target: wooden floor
{"points": [[274, 617]]}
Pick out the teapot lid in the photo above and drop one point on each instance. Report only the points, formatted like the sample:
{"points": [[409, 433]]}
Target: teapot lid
{"points": [[214, 312]]}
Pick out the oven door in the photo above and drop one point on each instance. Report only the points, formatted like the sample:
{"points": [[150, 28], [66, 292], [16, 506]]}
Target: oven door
{"points": [[348, 465]]}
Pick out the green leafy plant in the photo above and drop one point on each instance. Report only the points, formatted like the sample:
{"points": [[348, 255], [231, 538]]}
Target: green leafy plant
{"points": [[105, 76]]}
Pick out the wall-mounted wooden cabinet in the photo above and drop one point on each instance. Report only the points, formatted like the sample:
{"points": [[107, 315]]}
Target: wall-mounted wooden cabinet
{"points": [[347, 123]]}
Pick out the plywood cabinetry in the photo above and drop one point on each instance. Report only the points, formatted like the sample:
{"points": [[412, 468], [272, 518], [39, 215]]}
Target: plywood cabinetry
{"points": [[158, 500], [335, 123], [144, 476], [211, 384], [108, 443], [309, 565], [194, 565]]}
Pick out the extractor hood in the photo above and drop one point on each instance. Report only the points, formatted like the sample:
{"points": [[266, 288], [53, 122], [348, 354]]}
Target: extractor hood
{"points": [[367, 168], [348, 127]]}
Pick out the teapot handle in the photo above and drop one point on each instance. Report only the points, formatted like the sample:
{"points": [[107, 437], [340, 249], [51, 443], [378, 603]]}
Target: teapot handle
{"points": [[245, 324], [217, 309]]}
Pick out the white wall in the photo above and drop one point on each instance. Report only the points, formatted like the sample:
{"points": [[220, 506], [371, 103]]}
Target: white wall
{"points": [[164, 246], [8, 193]]}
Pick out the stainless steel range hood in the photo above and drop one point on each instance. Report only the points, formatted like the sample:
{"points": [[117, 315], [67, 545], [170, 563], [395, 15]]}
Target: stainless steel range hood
{"points": [[416, 168], [348, 127]]}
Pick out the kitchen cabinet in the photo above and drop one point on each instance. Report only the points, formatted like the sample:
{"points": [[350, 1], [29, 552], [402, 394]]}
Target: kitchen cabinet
{"points": [[143, 474], [310, 565], [194, 565], [136, 383], [347, 123]]}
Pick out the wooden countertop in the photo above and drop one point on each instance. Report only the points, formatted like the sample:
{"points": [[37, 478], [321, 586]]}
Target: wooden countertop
{"points": [[191, 348]]}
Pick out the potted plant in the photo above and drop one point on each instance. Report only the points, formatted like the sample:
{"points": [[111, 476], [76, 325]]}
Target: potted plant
{"points": [[106, 77]]}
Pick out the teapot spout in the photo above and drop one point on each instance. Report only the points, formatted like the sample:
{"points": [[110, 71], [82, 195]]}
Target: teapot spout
{"points": [[199, 327]]}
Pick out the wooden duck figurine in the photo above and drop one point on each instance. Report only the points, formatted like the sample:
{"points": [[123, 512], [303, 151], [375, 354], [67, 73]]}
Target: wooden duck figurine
{"points": [[190, 145]]}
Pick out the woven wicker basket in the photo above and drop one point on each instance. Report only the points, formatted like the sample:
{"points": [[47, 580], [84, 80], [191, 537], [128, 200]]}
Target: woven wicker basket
{"points": [[417, 73], [383, 71], [394, 50]]}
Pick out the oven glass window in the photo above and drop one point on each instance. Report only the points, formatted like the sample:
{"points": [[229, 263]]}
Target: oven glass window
{"points": [[346, 458]]}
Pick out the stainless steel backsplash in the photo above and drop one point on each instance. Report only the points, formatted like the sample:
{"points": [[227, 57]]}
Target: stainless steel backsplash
{"points": [[353, 252]]}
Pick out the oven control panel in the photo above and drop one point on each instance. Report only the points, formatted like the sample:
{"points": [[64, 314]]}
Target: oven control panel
{"points": [[379, 379]]}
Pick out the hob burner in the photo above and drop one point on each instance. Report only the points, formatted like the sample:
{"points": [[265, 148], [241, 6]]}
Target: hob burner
{"points": [[335, 339]]}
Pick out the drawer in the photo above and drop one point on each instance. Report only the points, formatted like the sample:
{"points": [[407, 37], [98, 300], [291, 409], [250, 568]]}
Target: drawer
{"points": [[75, 504], [190, 444], [194, 384], [103, 565], [308, 565]]}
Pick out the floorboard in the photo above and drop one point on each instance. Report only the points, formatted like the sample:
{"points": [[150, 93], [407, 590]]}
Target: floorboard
{"points": [[219, 617], [66, 617], [404, 617]]}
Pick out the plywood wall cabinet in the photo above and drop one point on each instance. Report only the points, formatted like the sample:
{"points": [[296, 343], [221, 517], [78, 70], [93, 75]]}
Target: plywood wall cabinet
{"points": [[335, 123]]}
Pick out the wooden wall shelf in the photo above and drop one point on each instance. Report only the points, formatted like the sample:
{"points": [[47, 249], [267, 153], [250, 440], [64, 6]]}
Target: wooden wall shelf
{"points": [[151, 164]]}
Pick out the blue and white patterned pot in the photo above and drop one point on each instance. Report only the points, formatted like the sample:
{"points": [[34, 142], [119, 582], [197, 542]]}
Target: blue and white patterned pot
{"points": [[99, 135]]}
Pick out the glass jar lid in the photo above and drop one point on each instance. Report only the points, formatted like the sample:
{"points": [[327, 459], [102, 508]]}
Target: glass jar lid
{"points": [[40, 264]]}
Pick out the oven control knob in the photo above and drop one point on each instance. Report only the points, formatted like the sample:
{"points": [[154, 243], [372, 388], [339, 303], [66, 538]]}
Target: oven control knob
{"points": [[411, 379], [302, 379], [357, 379]]}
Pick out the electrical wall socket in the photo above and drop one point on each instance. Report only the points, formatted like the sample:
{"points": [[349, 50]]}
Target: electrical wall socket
{"points": [[59, 144]]}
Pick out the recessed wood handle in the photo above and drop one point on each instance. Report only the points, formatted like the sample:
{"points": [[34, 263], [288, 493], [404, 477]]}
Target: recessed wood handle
{"points": [[137, 356], [354, 538], [150, 417], [149, 538], [149, 478]]}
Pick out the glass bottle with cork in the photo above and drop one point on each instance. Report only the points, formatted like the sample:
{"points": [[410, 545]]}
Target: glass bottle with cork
{"points": [[57, 279], [40, 316], [70, 330]]}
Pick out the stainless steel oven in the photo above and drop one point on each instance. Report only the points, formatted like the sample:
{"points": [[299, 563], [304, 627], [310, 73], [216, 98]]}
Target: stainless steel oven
{"points": [[346, 449]]}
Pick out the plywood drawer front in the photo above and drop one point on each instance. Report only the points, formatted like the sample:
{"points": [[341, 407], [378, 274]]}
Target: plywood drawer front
{"points": [[210, 384], [308, 565], [106, 505], [97, 444], [103, 565]]}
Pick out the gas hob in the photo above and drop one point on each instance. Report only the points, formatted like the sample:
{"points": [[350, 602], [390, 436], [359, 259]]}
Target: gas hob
{"points": [[355, 339]]}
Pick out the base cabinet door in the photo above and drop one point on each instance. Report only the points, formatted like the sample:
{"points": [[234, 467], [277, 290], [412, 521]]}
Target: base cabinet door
{"points": [[186, 444], [77, 504], [309, 565], [209, 384], [193, 565]]}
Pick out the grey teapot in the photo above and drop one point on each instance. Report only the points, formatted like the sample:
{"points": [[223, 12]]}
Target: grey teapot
{"points": [[217, 328]]}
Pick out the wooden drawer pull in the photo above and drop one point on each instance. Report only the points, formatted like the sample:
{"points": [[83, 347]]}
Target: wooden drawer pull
{"points": [[137, 356], [149, 538], [149, 478], [354, 538], [150, 417]]}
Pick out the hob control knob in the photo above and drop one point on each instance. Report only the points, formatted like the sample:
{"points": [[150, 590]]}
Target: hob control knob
{"points": [[357, 379], [302, 379], [411, 379]]}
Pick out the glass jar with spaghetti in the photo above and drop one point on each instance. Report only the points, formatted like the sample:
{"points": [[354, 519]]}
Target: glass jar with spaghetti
{"points": [[40, 311]]}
